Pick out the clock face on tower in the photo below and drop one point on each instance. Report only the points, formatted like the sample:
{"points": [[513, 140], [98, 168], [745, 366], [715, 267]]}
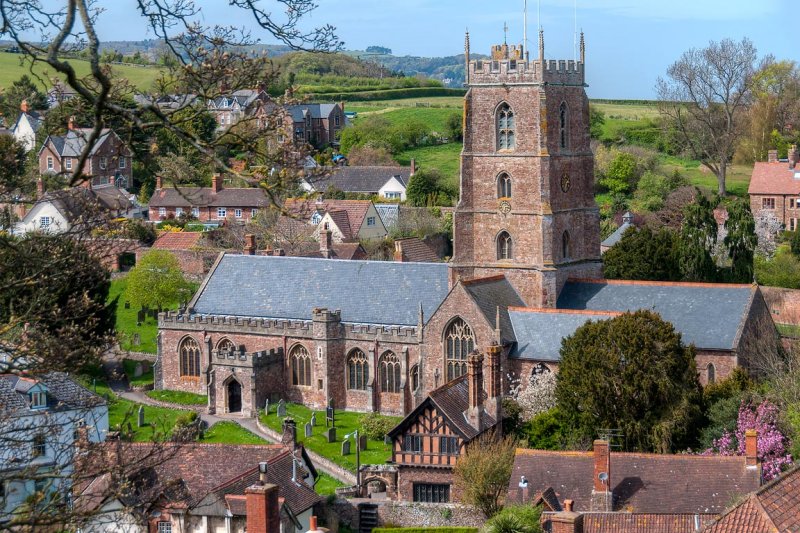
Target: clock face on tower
{"points": [[504, 207], [565, 183]]}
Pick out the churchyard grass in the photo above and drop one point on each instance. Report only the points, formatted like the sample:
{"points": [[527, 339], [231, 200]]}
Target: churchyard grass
{"points": [[178, 397], [231, 433], [346, 422], [129, 365]]}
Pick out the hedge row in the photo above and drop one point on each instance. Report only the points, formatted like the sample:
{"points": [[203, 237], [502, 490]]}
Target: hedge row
{"points": [[622, 102], [389, 94], [425, 529]]}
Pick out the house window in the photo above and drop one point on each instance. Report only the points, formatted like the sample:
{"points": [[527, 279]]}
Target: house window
{"points": [[222, 212], [237, 213], [389, 366], [768, 203], [565, 245], [44, 222], [164, 527], [39, 446], [505, 128], [316, 218], [190, 357], [370, 221], [336, 120], [196, 212], [49, 163], [431, 493], [504, 186], [394, 195], [162, 211], [563, 133], [68, 163], [178, 211], [253, 213], [794, 203], [103, 163], [459, 342], [122, 161], [412, 443], [357, 370], [301, 366], [448, 445], [505, 246], [38, 400], [712, 373], [414, 377], [792, 224]]}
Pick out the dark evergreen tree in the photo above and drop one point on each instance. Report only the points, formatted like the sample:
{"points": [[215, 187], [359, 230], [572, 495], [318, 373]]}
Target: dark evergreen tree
{"points": [[630, 372], [697, 237], [643, 254], [420, 187], [740, 241], [11, 99]]}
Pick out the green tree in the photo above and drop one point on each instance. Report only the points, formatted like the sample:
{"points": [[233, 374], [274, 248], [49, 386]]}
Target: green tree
{"points": [[454, 127], [794, 243], [11, 99], [597, 121], [642, 254], [421, 186], [630, 372], [157, 281], [621, 175], [740, 241], [483, 470], [515, 519], [697, 237]]}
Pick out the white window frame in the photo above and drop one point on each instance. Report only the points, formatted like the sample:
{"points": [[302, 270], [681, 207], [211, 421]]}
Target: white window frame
{"points": [[370, 221], [222, 212], [38, 400], [164, 526], [253, 213], [50, 163], [68, 163], [103, 162], [178, 211], [122, 163], [392, 195], [237, 213], [793, 224], [44, 222], [162, 211], [196, 212]]}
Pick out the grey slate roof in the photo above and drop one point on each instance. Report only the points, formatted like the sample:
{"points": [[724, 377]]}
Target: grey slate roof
{"points": [[299, 112], [206, 197], [73, 143], [539, 332], [491, 293], [615, 237], [709, 316], [367, 292], [362, 179], [62, 394]]}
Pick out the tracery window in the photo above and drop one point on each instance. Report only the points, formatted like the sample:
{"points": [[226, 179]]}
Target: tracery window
{"points": [[300, 362], [505, 128], [563, 115], [189, 352], [505, 246], [504, 186], [225, 346], [389, 365], [357, 370], [459, 342]]}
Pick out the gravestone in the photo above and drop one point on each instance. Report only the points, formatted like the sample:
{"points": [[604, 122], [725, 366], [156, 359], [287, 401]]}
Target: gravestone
{"points": [[345, 447], [137, 370], [387, 439], [266, 406], [140, 315], [308, 429], [313, 419], [137, 339], [362, 442], [330, 416], [127, 305], [330, 434], [281, 408], [140, 418]]}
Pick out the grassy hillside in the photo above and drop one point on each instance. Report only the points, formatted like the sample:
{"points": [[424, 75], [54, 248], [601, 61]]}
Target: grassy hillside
{"points": [[11, 70]]}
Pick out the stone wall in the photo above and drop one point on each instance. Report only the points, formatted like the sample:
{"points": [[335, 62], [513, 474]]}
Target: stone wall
{"points": [[408, 514], [782, 304], [195, 264]]}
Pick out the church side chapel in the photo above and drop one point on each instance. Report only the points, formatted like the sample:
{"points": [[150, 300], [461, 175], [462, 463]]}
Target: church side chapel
{"points": [[526, 272]]}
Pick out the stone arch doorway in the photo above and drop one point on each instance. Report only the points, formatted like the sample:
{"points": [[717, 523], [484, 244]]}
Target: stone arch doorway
{"points": [[234, 392]]}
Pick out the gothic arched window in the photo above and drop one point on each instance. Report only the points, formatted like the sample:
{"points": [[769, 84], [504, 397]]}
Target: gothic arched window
{"points": [[563, 117], [189, 352], [712, 373], [504, 186], [459, 342], [300, 362], [225, 346], [357, 370], [414, 377], [505, 246], [389, 366], [565, 251], [505, 128]]}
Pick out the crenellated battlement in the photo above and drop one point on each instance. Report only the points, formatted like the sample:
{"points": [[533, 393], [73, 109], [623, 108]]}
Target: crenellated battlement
{"points": [[375, 330], [512, 71], [240, 357]]}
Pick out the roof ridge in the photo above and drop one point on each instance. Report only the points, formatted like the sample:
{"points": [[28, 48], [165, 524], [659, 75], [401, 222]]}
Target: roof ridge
{"points": [[666, 456], [487, 279], [660, 283], [557, 310]]}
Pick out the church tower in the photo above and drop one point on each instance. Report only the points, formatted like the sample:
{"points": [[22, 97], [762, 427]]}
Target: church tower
{"points": [[526, 208]]}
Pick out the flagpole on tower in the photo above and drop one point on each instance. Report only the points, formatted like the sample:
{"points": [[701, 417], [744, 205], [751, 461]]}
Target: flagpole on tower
{"points": [[525, 28], [575, 38]]}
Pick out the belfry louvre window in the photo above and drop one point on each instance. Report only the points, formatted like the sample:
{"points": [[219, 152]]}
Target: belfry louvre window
{"points": [[431, 493], [301, 366], [459, 342], [563, 132], [389, 366], [505, 246], [357, 370], [504, 186], [190, 358], [505, 128]]}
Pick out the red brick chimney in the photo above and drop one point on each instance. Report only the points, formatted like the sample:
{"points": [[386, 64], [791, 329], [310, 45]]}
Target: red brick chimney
{"points": [[494, 393], [249, 244], [751, 448], [313, 528], [793, 157], [475, 384], [413, 166], [216, 183], [23, 106], [159, 183], [772, 156], [263, 509], [602, 498], [566, 521], [39, 188], [398, 251], [326, 243], [71, 123]]}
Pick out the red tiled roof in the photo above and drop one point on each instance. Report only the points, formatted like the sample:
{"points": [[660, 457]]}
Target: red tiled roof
{"points": [[356, 210], [341, 219], [774, 178], [641, 482], [415, 250], [178, 240], [641, 522], [206, 197]]}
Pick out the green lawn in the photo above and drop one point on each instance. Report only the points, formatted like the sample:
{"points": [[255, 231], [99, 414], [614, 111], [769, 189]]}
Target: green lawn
{"points": [[627, 111], [453, 102], [130, 369], [445, 157], [178, 397], [737, 182], [11, 70], [231, 433], [326, 485], [376, 453], [788, 330]]}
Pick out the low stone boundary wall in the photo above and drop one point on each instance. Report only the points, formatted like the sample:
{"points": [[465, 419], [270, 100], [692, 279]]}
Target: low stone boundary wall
{"points": [[411, 514], [783, 304], [137, 356]]}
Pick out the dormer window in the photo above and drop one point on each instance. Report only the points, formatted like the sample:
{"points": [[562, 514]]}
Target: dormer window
{"points": [[316, 218], [38, 399]]}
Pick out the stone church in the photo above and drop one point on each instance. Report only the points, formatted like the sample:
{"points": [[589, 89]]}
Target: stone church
{"points": [[526, 272]]}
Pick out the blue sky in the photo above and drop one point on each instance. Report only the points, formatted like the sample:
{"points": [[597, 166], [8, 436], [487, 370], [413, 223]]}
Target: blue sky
{"points": [[629, 42]]}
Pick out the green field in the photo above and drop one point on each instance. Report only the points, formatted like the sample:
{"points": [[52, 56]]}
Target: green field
{"points": [[326, 485], [445, 157], [231, 433], [627, 111], [11, 70], [737, 180], [453, 102]]}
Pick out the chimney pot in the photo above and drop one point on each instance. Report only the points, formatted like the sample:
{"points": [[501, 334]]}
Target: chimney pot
{"points": [[568, 505], [326, 243], [71, 123], [216, 183], [312, 523], [159, 183], [751, 447], [475, 389], [23, 106], [249, 244], [398, 251]]}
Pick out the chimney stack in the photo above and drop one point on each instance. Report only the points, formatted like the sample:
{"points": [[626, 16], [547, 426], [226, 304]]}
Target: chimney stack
{"points": [[249, 244], [398, 251], [566, 521], [326, 243], [494, 394], [23, 106], [793, 156], [216, 183], [159, 183], [313, 528], [413, 166], [751, 448], [475, 384], [772, 156], [71, 123], [601, 491], [263, 509], [39, 188]]}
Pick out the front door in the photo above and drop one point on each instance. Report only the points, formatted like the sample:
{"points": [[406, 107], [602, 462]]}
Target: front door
{"points": [[234, 397]]}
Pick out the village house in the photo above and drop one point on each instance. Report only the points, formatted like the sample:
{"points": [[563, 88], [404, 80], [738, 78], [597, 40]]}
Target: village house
{"points": [[26, 126], [40, 417], [108, 163], [230, 109], [386, 182], [775, 188], [348, 220], [317, 124]]}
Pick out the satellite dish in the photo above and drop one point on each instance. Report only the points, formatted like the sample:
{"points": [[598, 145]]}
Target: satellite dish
{"points": [[602, 476]]}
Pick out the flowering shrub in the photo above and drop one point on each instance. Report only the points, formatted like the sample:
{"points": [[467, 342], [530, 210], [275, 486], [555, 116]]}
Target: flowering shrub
{"points": [[771, 444], [537, 396]]}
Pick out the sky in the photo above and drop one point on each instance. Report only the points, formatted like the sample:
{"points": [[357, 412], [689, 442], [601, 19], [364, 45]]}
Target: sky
{"points": [[629, 43]]}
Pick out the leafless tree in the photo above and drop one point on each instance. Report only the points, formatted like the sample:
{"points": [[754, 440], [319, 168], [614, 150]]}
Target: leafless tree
{"points": [[704, 99]]}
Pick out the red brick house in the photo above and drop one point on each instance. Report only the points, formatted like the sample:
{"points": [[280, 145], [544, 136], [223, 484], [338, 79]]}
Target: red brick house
{"points": [[109, 161], [775, 188], [317, 124], [207, 204]]}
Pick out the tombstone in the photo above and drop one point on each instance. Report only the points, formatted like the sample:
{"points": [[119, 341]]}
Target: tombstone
{"points": [[137, 370], [346, 447], [387, 440], [281, 408], [127, 305], [313, 419], [266, 406], [154, 314], [140, 417], [362, 442], [140, 315], [330, 434], [309, 431], [137, 339], [330, 416]]}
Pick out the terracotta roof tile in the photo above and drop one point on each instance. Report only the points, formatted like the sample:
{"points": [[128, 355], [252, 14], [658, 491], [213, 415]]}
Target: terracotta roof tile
{"points": [[178, 240], [341, 219], [415, 250], [641, 522], [774, 178], [304, 209]]}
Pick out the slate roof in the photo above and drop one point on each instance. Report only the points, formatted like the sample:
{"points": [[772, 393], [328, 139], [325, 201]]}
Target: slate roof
{"points": [[615, 237], [243, 98], [290, 287], [34, 119], [774, 507], [539, 332], [417, 251], [362, 179], [206, 197], [710, 316], [63, 394], [73, 203], [641, 482], [491, 293], [178, 240], [73, 143], [774, 178], [340, 218], [300, 111]]}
